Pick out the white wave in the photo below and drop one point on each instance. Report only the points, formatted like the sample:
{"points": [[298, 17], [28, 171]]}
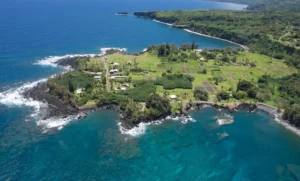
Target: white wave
{"points": [[56, 122], [225, 121], [141, 128], [15, 97], [52, 60], [138, 130], [162, 22], [242, 46], [287, 125], [104, 50], [187, 119], [135, 131]]}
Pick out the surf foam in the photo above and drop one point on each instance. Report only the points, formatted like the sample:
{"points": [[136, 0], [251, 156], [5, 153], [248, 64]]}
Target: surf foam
{"points": [[15, 97], [52, 60], [141, 128], [57, 122]]}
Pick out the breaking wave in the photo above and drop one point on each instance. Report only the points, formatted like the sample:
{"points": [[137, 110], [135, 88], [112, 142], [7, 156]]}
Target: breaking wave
{"points": [[141, 128], [16, 97], [53, 60]]}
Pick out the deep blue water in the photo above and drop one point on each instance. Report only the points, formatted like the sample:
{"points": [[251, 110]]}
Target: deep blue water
{"points": [[93, 149]]}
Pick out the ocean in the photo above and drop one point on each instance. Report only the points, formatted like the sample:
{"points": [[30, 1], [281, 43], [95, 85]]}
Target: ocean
{"points": [[34, 33]]}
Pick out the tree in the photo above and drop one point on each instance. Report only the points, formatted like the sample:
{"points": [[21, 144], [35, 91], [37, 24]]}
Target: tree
{"points": [[71, 86], [193, 45], [240, 95], [157, 107], [134, 111], [244, 86], [292, 114], [223, 96], [200, 94], [161, 50], [252, 93]]}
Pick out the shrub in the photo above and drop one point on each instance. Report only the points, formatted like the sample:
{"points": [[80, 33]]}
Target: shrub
{"points": [[157, 107], [223, 96], [240, 95], [244, 86], [201, 95], [141, 91], [175, 81]]}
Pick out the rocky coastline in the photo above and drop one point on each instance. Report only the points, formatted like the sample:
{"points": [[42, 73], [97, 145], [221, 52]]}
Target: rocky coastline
{"points": [[63, 109]]}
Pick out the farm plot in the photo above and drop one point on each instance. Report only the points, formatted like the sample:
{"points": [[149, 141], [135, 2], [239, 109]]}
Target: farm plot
{"points": [[208, 87]]}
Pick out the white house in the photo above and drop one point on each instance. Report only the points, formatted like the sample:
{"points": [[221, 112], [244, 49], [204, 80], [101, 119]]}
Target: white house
{"points": [[98, 78], [123, 88], [173, 97], [116, 64], [126, 85], [113, 71], [78, 91]]}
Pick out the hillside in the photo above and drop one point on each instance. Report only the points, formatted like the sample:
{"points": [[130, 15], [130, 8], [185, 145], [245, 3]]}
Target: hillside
{"points": [[271, 33]]}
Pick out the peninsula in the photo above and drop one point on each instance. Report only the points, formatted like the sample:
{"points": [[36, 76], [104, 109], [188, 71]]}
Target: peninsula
{"points": [[168, 80]]}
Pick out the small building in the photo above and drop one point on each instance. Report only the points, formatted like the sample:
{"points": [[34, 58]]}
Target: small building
{"points": [[173, 97], [126, 85], [79, 91], [202, 58], [99, 73], [123, 88], [113, 71], [116, 64], [98, 78]]}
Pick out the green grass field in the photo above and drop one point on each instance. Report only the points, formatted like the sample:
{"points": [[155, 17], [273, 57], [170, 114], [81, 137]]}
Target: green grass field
{"points": [[229, 73]]}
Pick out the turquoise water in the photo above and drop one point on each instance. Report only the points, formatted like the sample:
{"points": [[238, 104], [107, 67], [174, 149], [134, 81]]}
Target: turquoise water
{"points": [[93, 149], [254, 147]]}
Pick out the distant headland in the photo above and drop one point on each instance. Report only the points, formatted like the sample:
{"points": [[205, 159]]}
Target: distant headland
{"points": [[122, 13]]}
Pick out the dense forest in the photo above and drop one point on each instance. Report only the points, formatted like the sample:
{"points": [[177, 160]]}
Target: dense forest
{"points": [[274, 34], [268, 5]]}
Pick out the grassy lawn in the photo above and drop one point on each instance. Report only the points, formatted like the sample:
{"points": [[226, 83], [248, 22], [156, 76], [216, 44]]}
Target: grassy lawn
{"points": [[230, 73], [145, 61]]}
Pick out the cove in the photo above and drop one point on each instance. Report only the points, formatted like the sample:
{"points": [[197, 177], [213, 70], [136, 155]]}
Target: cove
{"points": [[254, 148]]}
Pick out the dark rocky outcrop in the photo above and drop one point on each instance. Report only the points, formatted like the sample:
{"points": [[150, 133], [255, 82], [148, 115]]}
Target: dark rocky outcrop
{"points": [[122, 13], [56, 106]]}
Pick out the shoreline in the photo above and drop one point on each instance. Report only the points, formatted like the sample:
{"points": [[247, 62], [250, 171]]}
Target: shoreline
{"points": [[235, 107], [63, 112], [200, 34]]}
